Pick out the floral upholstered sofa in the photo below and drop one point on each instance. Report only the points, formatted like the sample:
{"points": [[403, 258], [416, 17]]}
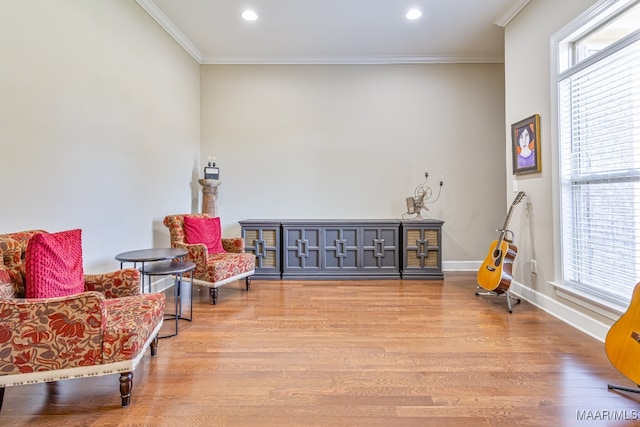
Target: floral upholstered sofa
{"points": [[100, 331], [227, 263]]}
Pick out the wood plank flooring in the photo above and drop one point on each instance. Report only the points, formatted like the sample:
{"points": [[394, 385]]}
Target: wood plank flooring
{"points": [[364, 353]]}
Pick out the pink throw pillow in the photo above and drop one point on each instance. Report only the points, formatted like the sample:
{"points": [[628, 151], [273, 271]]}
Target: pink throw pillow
{"points": [[53, 265], [204, 230]]}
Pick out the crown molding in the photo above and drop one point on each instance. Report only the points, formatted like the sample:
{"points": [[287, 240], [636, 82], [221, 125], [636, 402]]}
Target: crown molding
{"points": [[348, 59], [150, 7], [510, 13]]}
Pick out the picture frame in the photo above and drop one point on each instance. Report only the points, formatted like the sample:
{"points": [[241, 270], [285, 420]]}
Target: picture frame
{"points": [[526, 145]]}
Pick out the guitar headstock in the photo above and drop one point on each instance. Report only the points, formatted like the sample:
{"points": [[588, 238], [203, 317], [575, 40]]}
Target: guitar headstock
{"points": [[519, 197]]}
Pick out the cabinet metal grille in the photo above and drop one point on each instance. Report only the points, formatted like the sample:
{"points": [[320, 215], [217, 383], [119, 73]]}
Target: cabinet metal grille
{"points": [[253, 242], [419, 255]]}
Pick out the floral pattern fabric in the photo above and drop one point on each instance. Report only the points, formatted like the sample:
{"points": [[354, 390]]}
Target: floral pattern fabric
{"points": [[109, 322], [53, 333], [131, 322], [225, 266], [116, 284], [211, 267], [80, 330], [12, 253], [6, 284]]}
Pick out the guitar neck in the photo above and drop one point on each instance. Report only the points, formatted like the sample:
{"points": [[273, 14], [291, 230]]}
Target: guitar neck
{"points": [[503, 231]]}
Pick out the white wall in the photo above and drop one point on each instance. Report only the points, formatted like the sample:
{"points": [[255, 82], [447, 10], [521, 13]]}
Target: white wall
{"points": [[352, 141], [528, 91], [99, 124], [101, 114]]}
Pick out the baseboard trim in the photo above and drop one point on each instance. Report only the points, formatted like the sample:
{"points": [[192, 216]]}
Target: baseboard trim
{"points": [[461, 265], [568, 315]]}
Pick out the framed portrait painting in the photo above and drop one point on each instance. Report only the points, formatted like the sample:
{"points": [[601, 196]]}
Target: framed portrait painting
{"points": [[525, 142]]}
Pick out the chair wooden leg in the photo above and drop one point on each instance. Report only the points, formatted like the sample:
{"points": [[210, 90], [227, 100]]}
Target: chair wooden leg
{"points": [[248, 281], [1, 396], [214, 295], [126, 383], [154, 346]]}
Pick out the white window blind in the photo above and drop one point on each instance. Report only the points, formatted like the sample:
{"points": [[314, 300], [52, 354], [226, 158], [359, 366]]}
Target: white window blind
{"points": [[599, 125]]}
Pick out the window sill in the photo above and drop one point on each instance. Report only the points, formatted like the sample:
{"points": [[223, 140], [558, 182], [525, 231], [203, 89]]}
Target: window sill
{"points": [[590, 302]]}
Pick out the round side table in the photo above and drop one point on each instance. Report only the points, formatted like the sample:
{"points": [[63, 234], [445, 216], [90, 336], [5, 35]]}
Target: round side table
{"points": [[176, 268], [150, 255]]}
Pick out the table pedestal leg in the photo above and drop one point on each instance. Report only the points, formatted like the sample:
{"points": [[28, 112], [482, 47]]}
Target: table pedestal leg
{"points": [[177, 295]]}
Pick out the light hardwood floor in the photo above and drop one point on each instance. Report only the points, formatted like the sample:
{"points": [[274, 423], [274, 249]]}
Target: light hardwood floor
{"points": [[364, 353]]}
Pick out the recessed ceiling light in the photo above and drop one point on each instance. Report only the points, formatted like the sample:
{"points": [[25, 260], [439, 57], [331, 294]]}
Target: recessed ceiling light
{"points": [[414, 14], [249, 15]]}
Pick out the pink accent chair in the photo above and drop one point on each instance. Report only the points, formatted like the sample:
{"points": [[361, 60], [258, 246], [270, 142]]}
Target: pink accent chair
{"points": [[213, 270], [101, 331]]}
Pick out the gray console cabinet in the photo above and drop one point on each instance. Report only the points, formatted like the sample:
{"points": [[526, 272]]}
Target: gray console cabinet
{"points": [[345, 249], [341, 249]]}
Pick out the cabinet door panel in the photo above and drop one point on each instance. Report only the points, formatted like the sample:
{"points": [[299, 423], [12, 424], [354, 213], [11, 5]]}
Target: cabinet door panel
{"points": [[380, 248], [263, 240], [302, 249], [264, 244], [341, 248]]}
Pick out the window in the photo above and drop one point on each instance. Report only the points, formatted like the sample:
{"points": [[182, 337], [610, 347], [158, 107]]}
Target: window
{"points": [[599, 149]]}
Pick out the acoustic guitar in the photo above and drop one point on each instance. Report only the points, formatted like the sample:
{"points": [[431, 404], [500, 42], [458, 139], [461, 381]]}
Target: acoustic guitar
{"points": [[622, 343], [495, 272]]}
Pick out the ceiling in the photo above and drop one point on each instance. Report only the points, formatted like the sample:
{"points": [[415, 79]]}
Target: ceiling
{"points": [[337, 31]]}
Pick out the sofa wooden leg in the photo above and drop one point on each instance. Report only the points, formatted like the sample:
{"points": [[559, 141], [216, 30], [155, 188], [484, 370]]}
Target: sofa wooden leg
{"points": [[126, 382], [154, 346], [214, 295], [1, 397], [248, 281]]}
